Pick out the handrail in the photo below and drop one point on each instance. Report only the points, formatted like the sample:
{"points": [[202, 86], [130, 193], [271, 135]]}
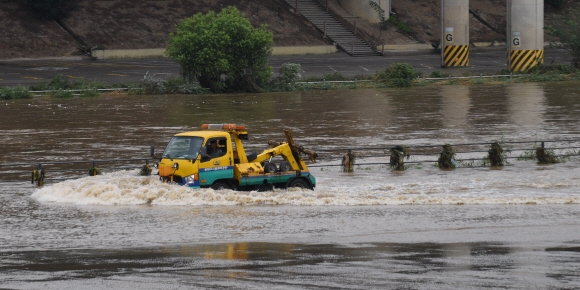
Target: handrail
{"points": [[342, 19]]}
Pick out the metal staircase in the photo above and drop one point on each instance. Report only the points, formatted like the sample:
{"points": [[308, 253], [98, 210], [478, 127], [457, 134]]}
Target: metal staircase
{"points": [[344, 38]]}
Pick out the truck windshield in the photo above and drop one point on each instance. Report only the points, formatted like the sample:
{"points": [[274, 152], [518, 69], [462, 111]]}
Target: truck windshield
{"points": [[183, 148]]}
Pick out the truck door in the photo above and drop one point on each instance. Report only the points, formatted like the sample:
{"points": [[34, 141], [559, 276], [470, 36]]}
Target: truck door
{"points": [[217, 162]]}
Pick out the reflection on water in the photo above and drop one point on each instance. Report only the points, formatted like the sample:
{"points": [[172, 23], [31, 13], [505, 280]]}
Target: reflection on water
{"points": [[455, 106], [237, 251], [264, 265], [526, 104]]}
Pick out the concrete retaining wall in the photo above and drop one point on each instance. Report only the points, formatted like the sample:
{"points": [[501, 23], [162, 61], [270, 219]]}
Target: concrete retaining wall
{"points": [[129, 53], [298, 50], [284, 50], [160, 52]]}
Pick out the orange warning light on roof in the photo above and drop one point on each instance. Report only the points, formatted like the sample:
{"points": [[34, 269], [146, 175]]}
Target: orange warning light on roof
{"points": [[225, 127]]}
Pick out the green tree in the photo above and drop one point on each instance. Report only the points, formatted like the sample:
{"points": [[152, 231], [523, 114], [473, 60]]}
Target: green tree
{"points": [[566, 27], [222, 51]]}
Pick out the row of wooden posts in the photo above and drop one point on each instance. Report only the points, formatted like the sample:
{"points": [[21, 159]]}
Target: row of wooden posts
{"points": [[38, 175], [496, 157]]}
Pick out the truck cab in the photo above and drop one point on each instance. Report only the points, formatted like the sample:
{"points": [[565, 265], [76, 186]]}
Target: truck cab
{"points": [[215, 157]]}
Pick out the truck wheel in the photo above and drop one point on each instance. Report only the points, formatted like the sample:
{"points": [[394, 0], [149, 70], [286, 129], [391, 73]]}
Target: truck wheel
{"points": [[285, 166], [299, 183], [220, 185], [269, 167]]}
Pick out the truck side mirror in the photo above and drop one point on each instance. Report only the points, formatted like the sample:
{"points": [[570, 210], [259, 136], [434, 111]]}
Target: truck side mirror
{"points": [[152, 151]]}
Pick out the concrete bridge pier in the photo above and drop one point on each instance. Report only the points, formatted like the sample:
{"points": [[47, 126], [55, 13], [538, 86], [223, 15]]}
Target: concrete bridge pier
{"points": [[454, 33], [525, 28]]}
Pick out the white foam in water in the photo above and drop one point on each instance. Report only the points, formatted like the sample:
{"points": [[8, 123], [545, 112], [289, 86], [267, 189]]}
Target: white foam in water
{"points": [[127, 188]]}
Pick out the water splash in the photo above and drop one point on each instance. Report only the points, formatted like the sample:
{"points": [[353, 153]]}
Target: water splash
{"points": [[128, 188]]}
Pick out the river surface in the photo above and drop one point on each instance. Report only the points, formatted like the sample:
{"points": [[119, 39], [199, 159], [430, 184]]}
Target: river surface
{"points": [[515, 227]]}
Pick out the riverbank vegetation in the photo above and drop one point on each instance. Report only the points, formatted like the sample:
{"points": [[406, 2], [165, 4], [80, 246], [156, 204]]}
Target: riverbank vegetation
{"points": [[398, 75]]}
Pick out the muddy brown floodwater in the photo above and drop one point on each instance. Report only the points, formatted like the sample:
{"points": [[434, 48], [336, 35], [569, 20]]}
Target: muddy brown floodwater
{"points": [[514, 227]]}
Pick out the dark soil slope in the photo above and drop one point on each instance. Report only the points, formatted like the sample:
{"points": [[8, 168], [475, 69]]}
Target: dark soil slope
{"points": [[131, 24]]}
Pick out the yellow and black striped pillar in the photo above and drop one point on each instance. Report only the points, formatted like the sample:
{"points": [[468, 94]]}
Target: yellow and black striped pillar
{"points": [[455, 55], [523, 60]]}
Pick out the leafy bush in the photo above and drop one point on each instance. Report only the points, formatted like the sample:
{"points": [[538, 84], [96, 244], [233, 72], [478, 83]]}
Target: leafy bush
{"points": [[397, 75], [154, 85], [222, 51], [49, 9], [59, 82], [172, 85], [289, 73], [19, 92]]}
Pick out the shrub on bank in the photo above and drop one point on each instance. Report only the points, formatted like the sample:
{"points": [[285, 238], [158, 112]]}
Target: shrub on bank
{"points": [[19, 92], [289, 73], [397, 75]]}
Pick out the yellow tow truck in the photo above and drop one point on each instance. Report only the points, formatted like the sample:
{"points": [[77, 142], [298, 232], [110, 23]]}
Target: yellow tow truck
{"points": [[215, 158]]}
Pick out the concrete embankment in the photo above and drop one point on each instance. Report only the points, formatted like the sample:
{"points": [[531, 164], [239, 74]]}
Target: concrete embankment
{"points": [[160, 52], [280, 50]]}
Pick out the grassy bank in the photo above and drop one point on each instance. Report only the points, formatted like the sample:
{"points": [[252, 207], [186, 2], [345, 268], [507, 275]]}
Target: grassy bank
{"points": [[396, 76]]}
